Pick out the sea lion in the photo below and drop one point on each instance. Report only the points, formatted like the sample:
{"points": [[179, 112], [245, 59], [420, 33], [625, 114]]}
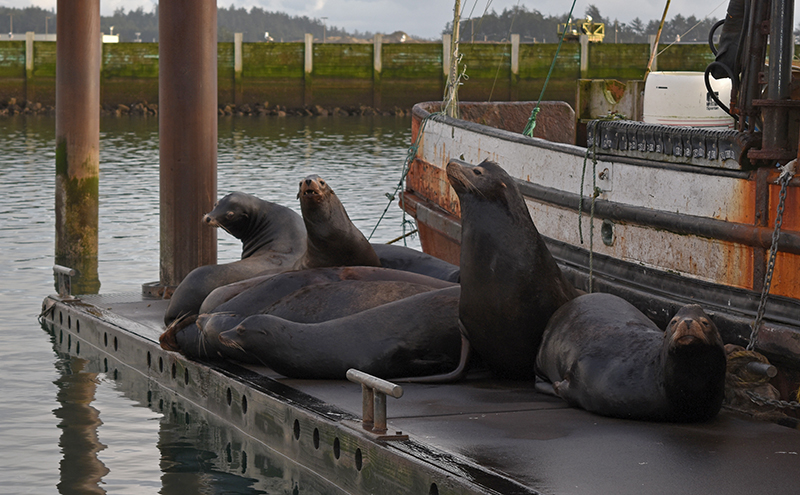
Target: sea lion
{"points": [[273, 238], [254, 295], [415, 336], [603, 355], [408, 259], [199, 337], [264, 292], [510, 283], [332, 240]]}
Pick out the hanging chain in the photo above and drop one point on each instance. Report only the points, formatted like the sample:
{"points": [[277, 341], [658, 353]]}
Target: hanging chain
{"points": [[781, 404], [787, 171]]}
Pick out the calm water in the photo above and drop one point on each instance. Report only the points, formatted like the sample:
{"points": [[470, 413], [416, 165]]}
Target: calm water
{"points": [[130, 446]]}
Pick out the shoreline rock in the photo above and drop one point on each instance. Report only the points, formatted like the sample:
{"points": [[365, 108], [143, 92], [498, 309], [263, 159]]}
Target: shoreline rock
{"points": [[12, 107]]}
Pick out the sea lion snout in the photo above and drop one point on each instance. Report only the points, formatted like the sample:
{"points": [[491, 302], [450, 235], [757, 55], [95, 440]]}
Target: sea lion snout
{"points": [[312, 185], [692, 325]]}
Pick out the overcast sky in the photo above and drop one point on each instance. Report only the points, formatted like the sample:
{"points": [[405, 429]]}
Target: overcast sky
{"points": [[427, 18]]}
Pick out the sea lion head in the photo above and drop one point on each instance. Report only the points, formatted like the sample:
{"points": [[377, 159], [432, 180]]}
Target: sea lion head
{"points": [[313, 190], [232, 213], [691, 326], [486, 180]]}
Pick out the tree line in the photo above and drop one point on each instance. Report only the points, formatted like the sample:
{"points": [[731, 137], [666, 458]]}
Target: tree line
{"points": [[533, 26]]}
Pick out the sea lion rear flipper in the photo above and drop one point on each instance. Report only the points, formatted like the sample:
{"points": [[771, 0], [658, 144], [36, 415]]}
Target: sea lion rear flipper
{"points": [[453, 376]]}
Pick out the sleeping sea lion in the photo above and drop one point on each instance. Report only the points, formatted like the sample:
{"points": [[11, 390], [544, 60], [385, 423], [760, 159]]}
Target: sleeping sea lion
{"points": [[414, 336], [510, 283], [603, 355]]}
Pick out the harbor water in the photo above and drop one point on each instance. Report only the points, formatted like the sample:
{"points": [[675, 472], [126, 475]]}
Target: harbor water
{"points": [[67, 428]]}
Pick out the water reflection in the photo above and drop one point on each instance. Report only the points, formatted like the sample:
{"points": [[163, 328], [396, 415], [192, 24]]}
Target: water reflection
{"points": [[81, 470]]}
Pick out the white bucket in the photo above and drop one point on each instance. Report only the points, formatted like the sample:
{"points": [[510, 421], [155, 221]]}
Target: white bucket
{"points": [[681, 99]]}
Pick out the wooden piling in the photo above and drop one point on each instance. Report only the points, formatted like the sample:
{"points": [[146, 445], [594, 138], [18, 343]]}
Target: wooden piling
{"points": [[188, 135], [78, 52]]}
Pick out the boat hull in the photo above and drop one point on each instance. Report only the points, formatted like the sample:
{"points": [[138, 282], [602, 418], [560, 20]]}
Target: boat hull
{"points": [[661, 233]]}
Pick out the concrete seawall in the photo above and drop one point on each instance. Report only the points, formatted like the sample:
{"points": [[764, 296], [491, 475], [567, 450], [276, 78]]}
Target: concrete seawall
{"points": [[378, 75]]}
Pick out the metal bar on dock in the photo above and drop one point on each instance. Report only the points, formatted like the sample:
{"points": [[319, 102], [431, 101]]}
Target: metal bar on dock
{"points": [[373, 399]]}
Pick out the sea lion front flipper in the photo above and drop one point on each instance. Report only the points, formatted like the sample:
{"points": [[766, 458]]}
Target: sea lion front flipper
{"points": [[544, 387]]}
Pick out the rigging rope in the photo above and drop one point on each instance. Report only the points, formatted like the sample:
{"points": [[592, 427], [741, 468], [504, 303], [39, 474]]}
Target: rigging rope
{"points": [[528, 131], [410, 155]]}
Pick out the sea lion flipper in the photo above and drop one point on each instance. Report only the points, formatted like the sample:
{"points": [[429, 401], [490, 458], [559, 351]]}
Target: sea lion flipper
{"points": [[453, 376], [544, 387]]}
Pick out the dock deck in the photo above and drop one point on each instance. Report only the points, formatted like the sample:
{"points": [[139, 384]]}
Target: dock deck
{"points": [[481, 435]]}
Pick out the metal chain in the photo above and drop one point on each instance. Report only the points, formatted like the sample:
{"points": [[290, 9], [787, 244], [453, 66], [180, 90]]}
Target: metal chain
{"points": [[764, 401], [787, 172]]}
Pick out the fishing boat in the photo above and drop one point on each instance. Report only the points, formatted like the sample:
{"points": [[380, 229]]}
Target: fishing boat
{"points": [[662, 215]]}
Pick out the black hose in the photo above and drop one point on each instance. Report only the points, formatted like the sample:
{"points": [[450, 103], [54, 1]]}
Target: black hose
{"points": [[711, 92], [711, 35]]}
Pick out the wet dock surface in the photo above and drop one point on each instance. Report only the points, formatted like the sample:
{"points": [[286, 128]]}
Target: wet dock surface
{"points": [[522, 441]]}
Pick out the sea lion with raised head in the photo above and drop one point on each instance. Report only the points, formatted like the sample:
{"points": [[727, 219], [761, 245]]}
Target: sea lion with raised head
{"points": [[273, 239], [603, 355], [510, 283], [332, 240]]}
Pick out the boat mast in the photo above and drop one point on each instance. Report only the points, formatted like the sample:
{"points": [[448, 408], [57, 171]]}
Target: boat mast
{"points": [[450, 106]]}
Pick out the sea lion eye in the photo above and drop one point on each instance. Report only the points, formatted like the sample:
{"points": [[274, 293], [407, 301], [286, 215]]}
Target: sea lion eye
{"points": [[321, 182], [230, 214], [477, 171], [704, 322]]}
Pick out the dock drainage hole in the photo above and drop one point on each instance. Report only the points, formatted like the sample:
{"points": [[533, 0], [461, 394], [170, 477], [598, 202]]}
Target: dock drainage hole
{"points": [[296, 430], [359, 460], [434, 489], [316, 438], [78, 326], [244, 404], [186, 376], [160, 365], [77, 347], [69, 322], [161, 405], [229, 395], [105, 339], [174, 371], [61, 337], [149, 359], [69, 342], [244, 462], [336, 451], [116, 344], [188, 419], [105, 365], [60, 318]]}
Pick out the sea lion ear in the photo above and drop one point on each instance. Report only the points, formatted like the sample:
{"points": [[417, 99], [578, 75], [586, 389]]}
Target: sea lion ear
{"points": [[503, 185]]}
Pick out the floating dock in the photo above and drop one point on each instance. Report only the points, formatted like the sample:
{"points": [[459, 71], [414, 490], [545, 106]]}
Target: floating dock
{"points": [[481, 435]]}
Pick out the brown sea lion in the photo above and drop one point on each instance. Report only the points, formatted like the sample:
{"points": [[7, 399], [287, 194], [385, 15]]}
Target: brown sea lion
{"points": [[510, 283], [199, 338], [603, 355], [273, 238], [332, 240], [414, 336]]}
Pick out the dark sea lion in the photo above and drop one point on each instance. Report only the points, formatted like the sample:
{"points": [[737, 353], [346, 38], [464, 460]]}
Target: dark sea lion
{"points": [[510, 283], [253, 296], [199, 337], [264, 292], [333, 240], [415, 336], [273, 238], [411, 260], [603, 355]]}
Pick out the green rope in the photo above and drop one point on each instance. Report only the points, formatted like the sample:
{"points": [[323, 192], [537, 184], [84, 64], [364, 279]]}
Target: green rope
{"points": [[410, 155], [596, 191], [528, 131]]}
